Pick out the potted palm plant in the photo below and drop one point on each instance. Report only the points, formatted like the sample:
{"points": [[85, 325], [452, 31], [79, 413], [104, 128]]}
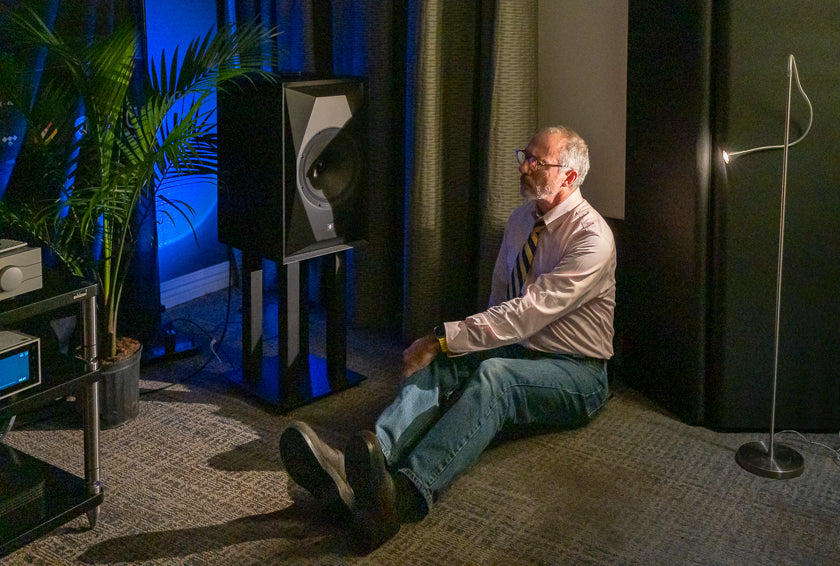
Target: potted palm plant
{"points": [[87, 178]]}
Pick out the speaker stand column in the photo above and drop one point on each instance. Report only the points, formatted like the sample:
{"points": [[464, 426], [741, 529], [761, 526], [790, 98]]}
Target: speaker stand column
{"points": [[252, 320], [294, 377], [333, 271], [293, 368]]}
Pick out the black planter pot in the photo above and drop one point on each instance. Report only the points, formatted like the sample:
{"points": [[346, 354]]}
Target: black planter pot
{"points": [[119, 391]]}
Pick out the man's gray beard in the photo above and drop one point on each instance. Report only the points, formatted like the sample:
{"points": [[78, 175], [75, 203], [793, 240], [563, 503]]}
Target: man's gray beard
{"points": [[536, 194]]}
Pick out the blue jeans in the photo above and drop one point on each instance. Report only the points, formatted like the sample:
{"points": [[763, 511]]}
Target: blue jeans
{"points": [[446, 414]]}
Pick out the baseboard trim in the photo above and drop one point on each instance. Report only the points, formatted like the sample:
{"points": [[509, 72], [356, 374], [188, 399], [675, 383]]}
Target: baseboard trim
{"points": [[193, 285]]}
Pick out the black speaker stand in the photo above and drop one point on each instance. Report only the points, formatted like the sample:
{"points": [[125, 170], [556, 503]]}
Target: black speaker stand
{"points": [[294, 377]]}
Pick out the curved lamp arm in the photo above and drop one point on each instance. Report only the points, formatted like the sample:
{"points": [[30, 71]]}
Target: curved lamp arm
{"points": [[727, 156]]}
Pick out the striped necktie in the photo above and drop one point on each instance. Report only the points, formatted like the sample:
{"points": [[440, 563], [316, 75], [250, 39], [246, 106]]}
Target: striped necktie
{"points": [[523, 261]]}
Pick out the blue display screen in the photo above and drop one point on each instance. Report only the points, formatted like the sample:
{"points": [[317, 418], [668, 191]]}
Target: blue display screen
{"points": [[14, 370]]}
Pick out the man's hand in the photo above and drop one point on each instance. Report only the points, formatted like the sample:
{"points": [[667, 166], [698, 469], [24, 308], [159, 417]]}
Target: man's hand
{"points": [[420, 354]]}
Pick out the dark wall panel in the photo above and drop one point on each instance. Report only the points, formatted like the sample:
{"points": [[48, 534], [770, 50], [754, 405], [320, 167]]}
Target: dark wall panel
{"points": [[701, 238], [662, 297]]}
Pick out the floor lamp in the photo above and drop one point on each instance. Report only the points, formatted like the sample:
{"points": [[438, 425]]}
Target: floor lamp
{"points": [[769, 459]]}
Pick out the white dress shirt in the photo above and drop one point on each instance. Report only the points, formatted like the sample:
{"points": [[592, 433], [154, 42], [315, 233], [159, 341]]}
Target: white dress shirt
{"points": [[568, 297]]}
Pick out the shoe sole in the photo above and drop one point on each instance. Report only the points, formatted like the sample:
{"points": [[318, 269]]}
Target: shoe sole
{"points": [[308, 468]]}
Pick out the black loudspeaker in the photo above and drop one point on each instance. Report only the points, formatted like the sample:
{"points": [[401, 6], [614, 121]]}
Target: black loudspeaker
{"points": [[292, 166]]}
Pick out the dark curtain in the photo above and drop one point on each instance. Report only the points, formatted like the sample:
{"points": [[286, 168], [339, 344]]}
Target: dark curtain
{"points": [[452, 89], [141, 306], [12, 125]]}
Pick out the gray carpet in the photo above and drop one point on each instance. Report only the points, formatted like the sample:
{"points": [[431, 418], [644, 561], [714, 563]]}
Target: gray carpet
{"points": [[196, 479]]}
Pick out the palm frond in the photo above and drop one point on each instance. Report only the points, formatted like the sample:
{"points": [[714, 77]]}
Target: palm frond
{"points": [[127, 148], [215, 57]]}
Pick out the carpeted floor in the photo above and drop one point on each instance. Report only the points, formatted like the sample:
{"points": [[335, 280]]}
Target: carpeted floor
{"points": [[196, 479]]}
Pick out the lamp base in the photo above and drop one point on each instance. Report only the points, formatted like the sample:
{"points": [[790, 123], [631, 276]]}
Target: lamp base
{"points": [[786, 463]]}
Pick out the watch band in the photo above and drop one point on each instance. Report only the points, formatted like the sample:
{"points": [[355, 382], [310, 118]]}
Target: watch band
{"points": [[440, 334]]}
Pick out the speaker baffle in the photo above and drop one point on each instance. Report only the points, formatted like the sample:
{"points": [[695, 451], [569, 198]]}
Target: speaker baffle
{"points": [[326, 151]]}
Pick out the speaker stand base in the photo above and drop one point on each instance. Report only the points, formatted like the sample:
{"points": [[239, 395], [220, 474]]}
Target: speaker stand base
{"points": [[273, 387], [294, 377]]}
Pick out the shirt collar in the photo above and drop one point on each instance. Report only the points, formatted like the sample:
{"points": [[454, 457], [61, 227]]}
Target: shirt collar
{"points": [[571, 201]]}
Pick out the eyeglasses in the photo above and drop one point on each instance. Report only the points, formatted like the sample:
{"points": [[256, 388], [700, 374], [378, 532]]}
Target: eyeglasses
{"points": [[522, 156]]}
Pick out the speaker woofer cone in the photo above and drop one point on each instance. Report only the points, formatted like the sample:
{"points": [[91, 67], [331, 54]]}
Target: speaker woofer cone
{"points": [[328, 168]]}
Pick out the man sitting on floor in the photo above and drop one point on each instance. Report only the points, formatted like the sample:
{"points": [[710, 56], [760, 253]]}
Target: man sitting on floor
{"points": [[538, 355]]}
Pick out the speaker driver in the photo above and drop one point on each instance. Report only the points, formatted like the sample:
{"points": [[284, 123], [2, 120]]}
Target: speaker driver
{"points": [[329, 168]]}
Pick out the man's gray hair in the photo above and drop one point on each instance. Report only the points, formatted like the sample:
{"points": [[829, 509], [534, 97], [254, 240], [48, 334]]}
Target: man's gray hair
{"points": [[576, 152]]}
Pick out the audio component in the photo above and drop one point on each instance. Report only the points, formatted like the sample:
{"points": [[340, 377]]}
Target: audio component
{"points": [[20, 362], [20, 268]]}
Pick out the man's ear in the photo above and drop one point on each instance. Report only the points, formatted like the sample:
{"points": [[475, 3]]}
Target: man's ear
{"points": [[570, 177]]}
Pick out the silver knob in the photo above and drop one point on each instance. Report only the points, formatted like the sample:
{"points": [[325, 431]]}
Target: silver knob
{"points": [[10, 278]]}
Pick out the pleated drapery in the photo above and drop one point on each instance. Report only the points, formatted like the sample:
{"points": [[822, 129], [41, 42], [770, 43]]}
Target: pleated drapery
{"points": [[471, 101]]}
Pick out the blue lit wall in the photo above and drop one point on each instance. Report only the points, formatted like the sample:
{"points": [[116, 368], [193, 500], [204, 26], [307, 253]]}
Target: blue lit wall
{"points": [[168, 25]]}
